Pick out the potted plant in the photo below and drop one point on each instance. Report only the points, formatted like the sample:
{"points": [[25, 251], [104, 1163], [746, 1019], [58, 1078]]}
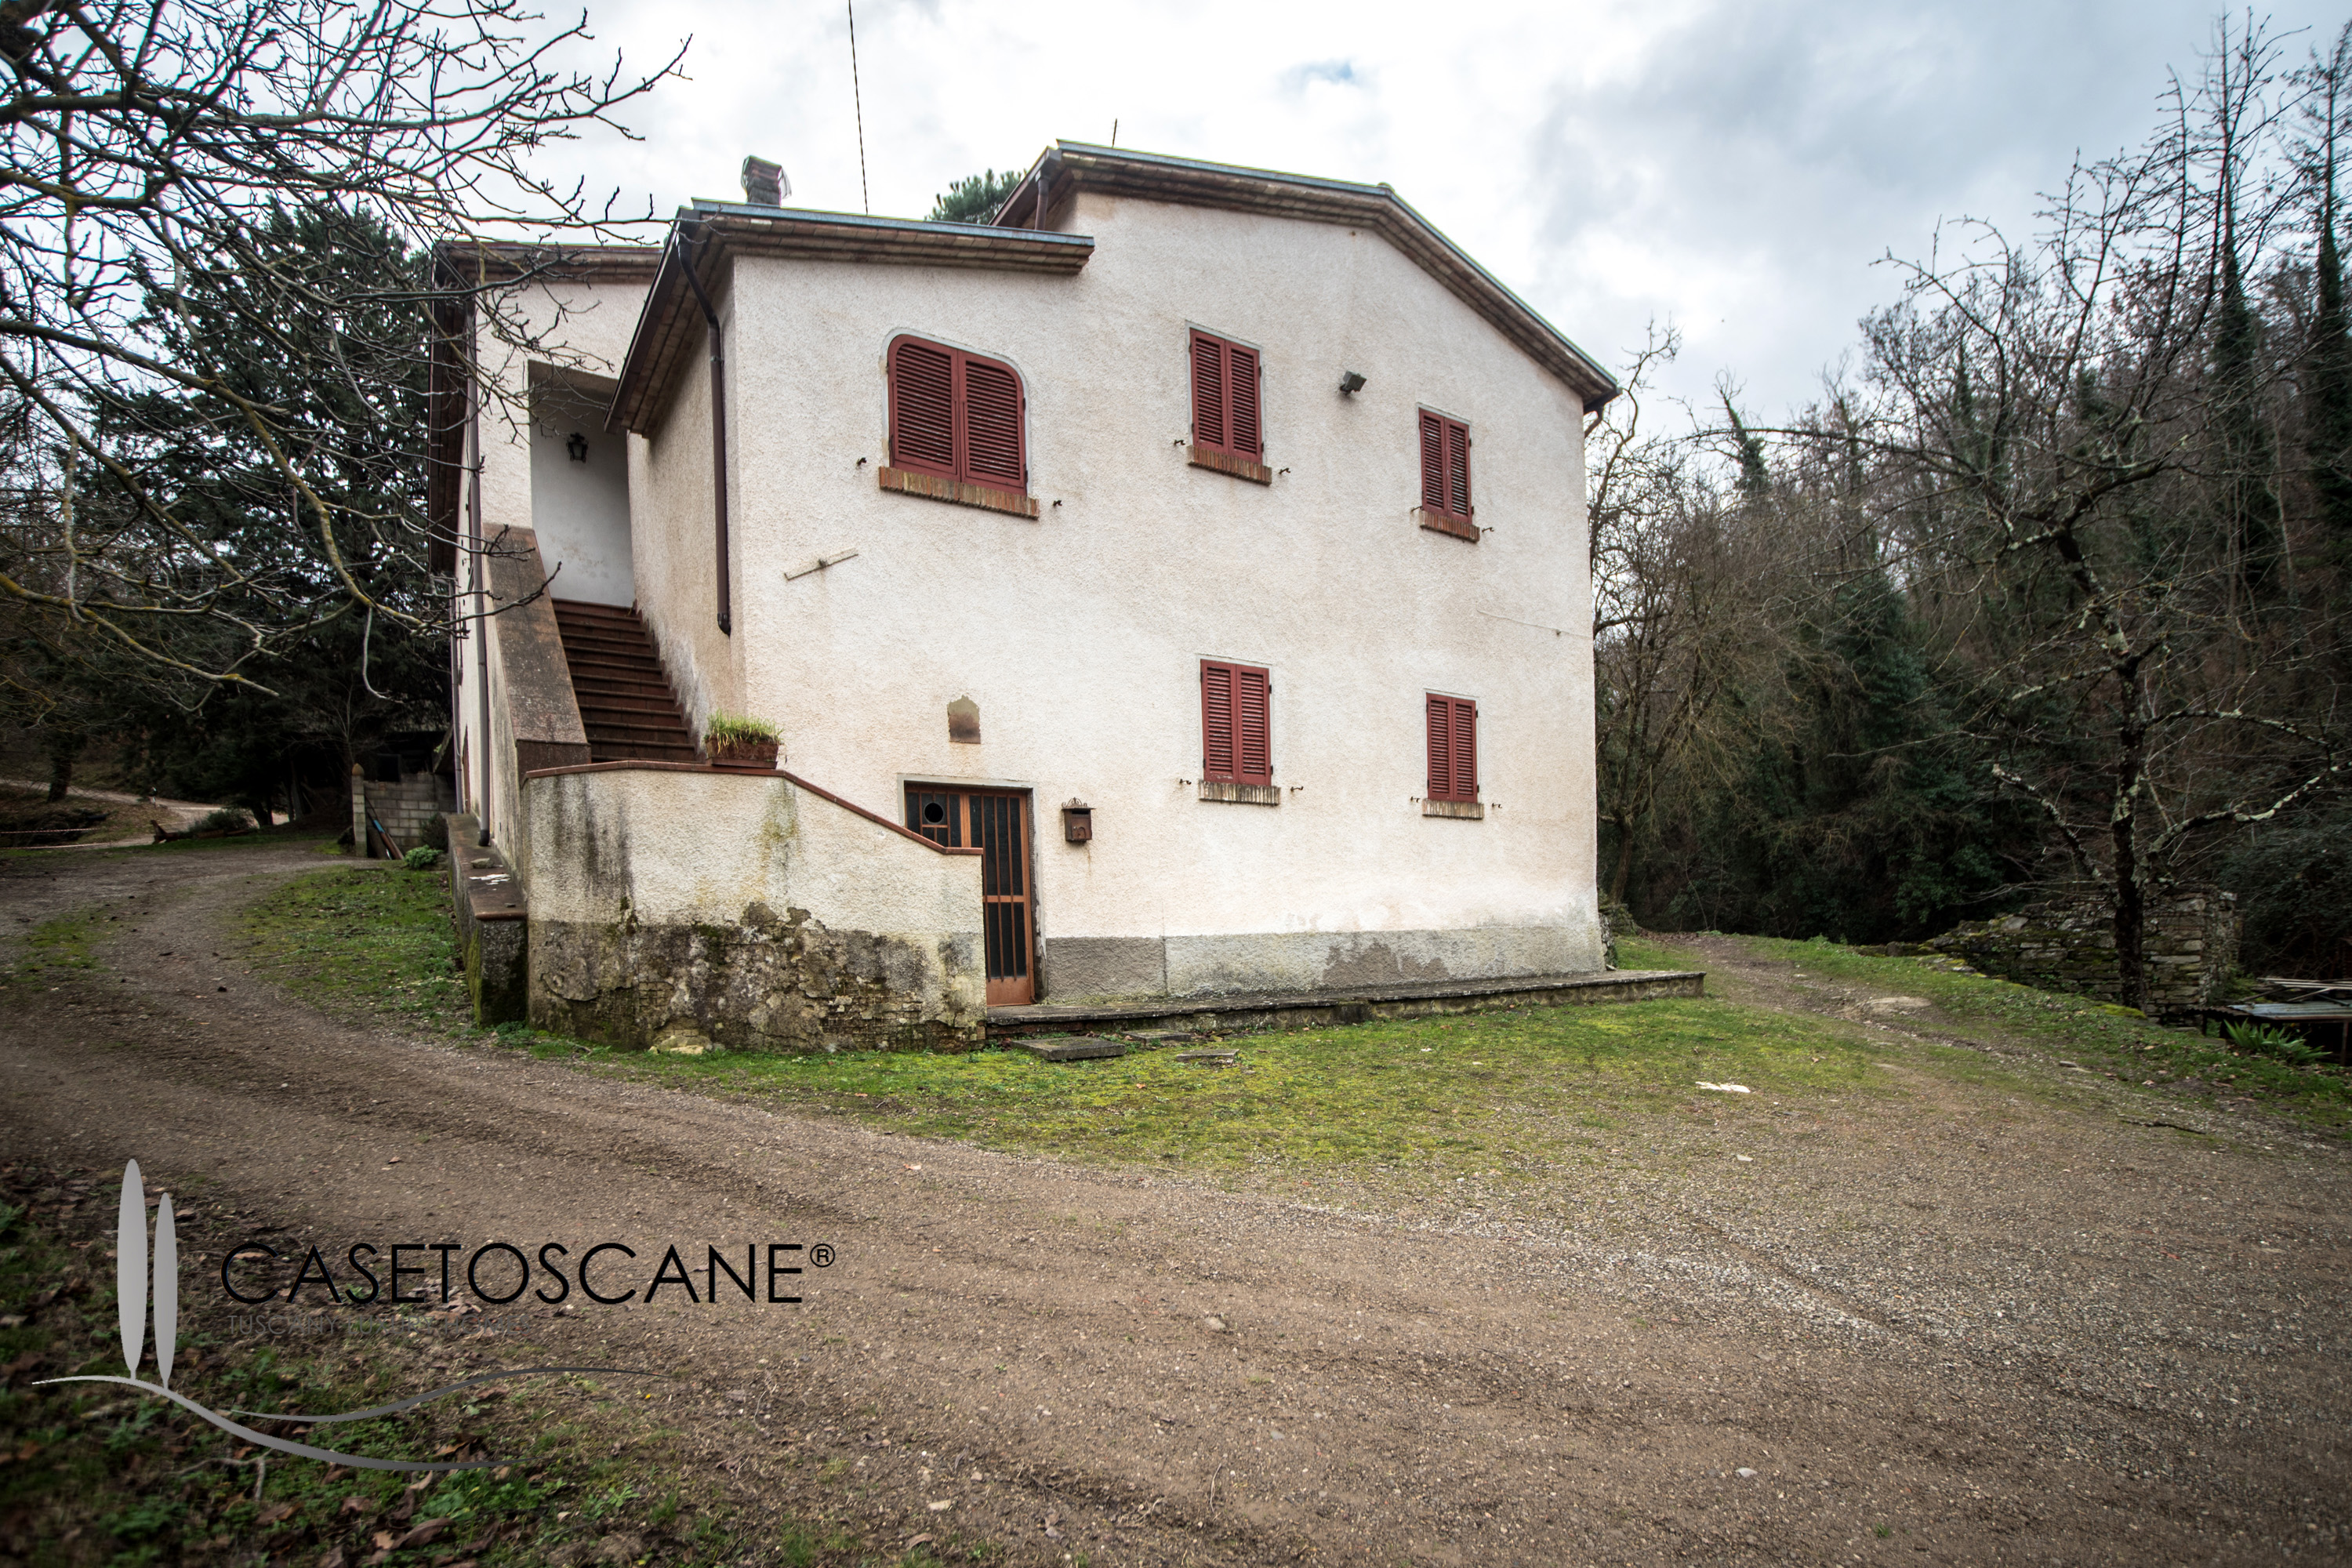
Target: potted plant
{"points": [[745, 745]]}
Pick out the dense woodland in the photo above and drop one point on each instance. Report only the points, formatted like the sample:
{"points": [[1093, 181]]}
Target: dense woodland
{"points": [[2051, 594]]}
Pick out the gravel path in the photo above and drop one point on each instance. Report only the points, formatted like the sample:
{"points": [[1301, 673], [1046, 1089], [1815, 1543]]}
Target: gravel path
{"points": [[1994, 1325]]}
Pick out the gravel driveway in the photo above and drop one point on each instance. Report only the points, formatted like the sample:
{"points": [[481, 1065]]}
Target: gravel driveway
{"points": [[1955, 1322]]}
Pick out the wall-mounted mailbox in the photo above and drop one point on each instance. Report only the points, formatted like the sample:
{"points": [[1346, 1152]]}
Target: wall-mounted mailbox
{"points": [[1077, 822]]}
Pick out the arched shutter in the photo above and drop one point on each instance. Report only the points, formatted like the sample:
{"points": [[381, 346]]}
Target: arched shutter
{"points": [[992, 404], [922, 407]]}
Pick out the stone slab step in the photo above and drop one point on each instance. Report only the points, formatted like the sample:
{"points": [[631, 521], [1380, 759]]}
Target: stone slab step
{"points": [[1069, 1047], [1245, 1012]]}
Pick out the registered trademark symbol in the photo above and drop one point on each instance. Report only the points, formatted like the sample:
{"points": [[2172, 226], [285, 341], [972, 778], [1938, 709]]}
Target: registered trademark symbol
{"points": [[821, 1255]]}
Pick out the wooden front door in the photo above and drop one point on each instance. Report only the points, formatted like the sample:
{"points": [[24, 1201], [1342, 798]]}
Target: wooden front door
{"points": [[995, 822]]}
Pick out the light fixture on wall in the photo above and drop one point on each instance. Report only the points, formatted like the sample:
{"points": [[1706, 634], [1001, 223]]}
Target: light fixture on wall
{"points": [[1350, 382], [577, 445]]}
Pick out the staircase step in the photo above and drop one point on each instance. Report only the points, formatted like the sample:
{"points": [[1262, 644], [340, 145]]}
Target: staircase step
{"points": [[601, 641], [648, 706], [625, 696]]}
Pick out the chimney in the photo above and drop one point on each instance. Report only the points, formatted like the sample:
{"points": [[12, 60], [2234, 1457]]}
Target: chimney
{"points": [[764, 185]]}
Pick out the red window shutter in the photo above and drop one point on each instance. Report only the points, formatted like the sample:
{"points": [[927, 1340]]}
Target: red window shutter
{"points": [[1208, 391], [1242, 394], [1444, 467], [1217, 722], [1235, 746], [923, 408], [1457, 468], [1433, 462], [1441, 748], [991, 420], [1251, 763], [1465, 749], [1453, 748], [957, 415]]}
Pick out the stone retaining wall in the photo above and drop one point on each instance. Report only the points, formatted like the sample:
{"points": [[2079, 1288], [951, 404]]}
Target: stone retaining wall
{"points": [[753, 911], [2069, 944]]}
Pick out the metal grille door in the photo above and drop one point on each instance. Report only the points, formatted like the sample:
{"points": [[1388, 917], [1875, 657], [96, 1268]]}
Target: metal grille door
{"points": [[997, 824]]}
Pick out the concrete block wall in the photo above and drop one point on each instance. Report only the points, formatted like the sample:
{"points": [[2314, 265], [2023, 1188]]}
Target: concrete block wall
{"points": [[2069, 944], [411, 809]]}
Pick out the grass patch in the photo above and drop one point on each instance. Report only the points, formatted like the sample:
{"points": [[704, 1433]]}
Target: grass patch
{"points": [[2102, 1038], [54, 952], [1442, 1095], [1522, 1091], [100, 1475], [371, 942]]}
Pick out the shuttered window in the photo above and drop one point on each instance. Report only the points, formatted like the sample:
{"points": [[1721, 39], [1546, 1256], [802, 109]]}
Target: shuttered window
{"points": [[1234, 738], [957, 415], [1453, 748], [1446, 474], [1225, 397]]}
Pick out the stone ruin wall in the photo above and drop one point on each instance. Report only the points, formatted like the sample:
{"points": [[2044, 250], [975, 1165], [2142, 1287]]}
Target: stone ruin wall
{"points": [[2069, 944]]}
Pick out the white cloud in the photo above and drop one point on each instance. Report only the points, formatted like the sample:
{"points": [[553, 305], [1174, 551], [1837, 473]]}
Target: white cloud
{"points": [[1734, 166]]}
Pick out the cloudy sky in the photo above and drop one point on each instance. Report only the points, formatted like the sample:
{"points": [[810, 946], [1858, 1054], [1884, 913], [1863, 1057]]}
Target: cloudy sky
{"points": [[1733, 166]]}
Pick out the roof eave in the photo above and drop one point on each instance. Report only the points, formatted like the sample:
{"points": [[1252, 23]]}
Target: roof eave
{"points": [[1154, 175], [724, 230]]}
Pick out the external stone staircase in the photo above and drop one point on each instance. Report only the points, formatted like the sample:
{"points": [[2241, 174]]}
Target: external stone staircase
{"points": [[625, 696]]}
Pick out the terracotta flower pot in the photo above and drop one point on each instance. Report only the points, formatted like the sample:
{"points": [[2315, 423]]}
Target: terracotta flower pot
{"points": [[743, 756]]}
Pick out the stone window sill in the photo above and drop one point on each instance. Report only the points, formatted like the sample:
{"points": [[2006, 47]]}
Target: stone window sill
{"points": [[1226, 463], [906, 482], [1438, 522], [1241, 794], [1460, 810]]}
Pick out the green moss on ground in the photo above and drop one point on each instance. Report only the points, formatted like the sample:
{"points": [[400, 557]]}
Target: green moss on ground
{"points": [[1430, 1096], [2102, 1038], [55, 951], [372, 942]]}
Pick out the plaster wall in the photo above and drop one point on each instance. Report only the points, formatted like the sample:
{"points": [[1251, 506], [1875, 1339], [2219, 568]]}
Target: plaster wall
{"points": [[765, 916], [673, 519], [579, 325], [1079, 635], [579, 509], [586, 327]]}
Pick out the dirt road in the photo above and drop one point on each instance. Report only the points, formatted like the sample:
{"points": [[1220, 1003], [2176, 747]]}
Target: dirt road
{"points": [[1950, 1324]]}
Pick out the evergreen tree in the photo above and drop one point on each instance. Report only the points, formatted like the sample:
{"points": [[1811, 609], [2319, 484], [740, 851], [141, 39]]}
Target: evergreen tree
{"points": [[975, 198], [2328, 374]]}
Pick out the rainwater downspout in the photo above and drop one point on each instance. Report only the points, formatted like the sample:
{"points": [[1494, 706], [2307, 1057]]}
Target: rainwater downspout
{"points": [[717, 438]]}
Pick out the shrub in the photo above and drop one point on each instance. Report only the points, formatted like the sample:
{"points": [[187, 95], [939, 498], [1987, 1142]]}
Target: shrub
{"points": [[2264, 1041], [228, 819], [737, 727], [424, 858]]}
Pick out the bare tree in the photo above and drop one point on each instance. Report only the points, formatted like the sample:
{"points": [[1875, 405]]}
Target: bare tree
{"points": [[1677, 617], [174, 175], [2075, 431]]}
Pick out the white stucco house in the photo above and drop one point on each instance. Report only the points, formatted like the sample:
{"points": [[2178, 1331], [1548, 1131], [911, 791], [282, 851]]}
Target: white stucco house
{"points": [[1175, 589]]}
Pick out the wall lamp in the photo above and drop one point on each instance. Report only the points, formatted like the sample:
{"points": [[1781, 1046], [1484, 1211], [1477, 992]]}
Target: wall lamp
{"points": [[577, 445], [1350, 382]]}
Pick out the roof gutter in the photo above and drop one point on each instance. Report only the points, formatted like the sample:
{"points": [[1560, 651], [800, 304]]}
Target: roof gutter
{"points": [[718, 431]]}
